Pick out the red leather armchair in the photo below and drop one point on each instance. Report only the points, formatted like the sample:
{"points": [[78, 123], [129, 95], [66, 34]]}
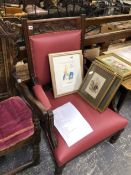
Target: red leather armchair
{"points": [[39, 44]]}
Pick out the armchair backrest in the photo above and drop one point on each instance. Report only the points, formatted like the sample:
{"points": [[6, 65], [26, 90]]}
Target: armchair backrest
{"points": [[50, 36]]}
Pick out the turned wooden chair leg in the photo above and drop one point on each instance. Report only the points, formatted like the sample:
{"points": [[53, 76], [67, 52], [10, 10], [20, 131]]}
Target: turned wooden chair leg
{"points": [[36, 142], [36, 155], [114, 138]]}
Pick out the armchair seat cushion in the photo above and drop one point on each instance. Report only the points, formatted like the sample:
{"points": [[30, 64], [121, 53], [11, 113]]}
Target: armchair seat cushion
{"points": [[16, 122], [103, 124]]}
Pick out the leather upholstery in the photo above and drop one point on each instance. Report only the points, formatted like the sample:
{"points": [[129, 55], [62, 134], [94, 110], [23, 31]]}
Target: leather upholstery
{"points": [[41, 96], [103, 124], [43, 44]]}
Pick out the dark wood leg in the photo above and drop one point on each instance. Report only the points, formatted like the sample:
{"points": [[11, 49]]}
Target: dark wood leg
{"points": [[122, 97], [36, 155], [36, 142], [58, 170], [114, 138]]}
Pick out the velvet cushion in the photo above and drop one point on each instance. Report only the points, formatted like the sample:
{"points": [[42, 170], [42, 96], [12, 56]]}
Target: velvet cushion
{"points": [[41, 96], [104, 125], [53, 42], [15, 122]]}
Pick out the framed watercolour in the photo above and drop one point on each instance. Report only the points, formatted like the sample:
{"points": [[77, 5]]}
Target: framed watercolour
{"points": [[124, 53], [96, 84], [66, 71], [117, 64]]}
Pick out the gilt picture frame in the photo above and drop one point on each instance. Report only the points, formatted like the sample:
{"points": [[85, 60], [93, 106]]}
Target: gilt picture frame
{"points": [[66, 72], [96, 84], [116, 64], [123, 52]]}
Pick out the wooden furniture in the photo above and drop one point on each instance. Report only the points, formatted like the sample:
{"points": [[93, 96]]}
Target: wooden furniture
{"points": [[103, 40], [7, 41], [15, 108], [10, 52], [59, 35], [16, 111]]}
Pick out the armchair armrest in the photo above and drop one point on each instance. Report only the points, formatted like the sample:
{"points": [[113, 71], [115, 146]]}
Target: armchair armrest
{"points": [[41, 96], [46, 116], [41, 106]]}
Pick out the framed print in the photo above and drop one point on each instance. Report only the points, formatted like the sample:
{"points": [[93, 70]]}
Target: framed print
{"points": [[66, 71], [110, 93], [116, 63], [124, 53], [96, 84]]}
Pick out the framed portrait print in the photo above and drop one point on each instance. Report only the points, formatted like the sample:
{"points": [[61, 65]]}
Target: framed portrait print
{"points": [[116, 63], [96, 84], [66, 71]]}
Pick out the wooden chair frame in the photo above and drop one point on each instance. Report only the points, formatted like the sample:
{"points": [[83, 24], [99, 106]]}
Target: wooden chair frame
{"points": [[42, 26], [104, 40], [8, 33]]}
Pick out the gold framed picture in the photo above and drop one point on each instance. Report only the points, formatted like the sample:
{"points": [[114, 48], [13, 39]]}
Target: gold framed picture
{"points": [[116, 63], [96, 84], [66, 72], [124, 53]]}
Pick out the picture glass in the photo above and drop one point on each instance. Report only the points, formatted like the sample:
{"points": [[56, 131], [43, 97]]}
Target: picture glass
{"points": [[96, 83], [124, 53], [66, 71], [116, 64]]}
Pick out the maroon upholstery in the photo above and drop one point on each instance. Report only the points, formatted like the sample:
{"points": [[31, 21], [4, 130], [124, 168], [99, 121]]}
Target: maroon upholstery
{"points": [[43, 44], [103, 124], [15, 122], [41, 96]]}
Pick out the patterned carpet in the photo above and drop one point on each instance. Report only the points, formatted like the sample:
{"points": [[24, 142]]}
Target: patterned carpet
{"points": [[104, 159]]}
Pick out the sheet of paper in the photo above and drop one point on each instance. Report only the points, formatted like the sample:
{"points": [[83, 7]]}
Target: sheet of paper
{"points": [[70, 123]]}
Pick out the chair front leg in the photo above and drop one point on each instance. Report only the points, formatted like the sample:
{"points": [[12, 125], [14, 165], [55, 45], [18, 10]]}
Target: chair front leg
{"points": [[58, 170], [36, 142], [114, 138]]}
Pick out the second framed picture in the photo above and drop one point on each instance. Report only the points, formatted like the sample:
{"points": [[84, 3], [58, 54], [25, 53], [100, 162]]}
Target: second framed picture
{"points": [[116, 64], [96, 85], [66, 71]]}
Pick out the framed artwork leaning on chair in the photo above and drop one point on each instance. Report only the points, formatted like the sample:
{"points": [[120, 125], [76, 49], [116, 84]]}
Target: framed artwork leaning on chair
{"points": [[44, 37], [66, 72]]}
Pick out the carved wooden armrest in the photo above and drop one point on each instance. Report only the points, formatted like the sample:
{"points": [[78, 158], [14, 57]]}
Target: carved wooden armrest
{"points": [[46, 117]]}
